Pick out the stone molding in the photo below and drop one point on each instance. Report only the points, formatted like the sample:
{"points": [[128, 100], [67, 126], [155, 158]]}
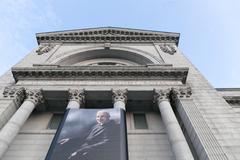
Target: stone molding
{"points": [[18, 94], [232, 100], [168, 48], [108, 34], [44, 48], [172, 93], [119, 95], [34, 96], [77, 95], [100, 72]]}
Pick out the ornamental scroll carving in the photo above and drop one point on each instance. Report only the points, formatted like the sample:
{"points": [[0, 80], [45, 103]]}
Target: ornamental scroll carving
{"points": [[18, 94], [44, 48], [161, 95], [119, 95], [76, 95], [168, 48], [34, 96], [185, 92]]}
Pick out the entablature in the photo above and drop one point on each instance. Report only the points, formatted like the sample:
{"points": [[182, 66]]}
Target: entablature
{"points": [[56, 72]]}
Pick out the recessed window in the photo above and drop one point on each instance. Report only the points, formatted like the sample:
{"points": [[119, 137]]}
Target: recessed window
{"points": [[55, 121], [107, 63], [140, 121]]}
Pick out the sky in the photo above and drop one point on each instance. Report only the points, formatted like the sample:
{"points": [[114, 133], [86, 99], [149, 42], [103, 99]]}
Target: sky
{"points": [[210, 29]]}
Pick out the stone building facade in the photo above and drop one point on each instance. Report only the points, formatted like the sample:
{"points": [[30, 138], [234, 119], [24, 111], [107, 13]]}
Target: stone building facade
{"points": [[172, 112]]}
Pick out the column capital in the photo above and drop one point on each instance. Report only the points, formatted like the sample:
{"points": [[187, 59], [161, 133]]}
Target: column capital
{"points": [[76, 95], [18, 94], [35, 96], [161, 94], [181, 93], [119, 95]]}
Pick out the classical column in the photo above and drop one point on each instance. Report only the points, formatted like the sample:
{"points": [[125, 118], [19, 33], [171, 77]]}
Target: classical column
{"points": [[76, 98], [119, 98], [12, 127], [13, 98], [177, 140]]}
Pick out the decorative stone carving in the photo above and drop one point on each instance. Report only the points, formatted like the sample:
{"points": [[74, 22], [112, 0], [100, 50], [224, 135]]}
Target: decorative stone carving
{"points": [[161, 95], [101, 72], [108, 35], [119, 95], [77, 95], [184, 92], [18, 94], [107, 46], [44, 48], [34, 96], [168, 48]]}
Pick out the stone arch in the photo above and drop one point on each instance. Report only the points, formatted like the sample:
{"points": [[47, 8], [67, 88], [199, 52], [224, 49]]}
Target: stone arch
{"points": [[124, 55]]}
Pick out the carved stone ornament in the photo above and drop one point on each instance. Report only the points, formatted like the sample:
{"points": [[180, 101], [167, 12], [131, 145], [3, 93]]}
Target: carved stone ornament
{"points": [[168, 48], [108, 35], [179, 93], [44, 48], [18, 94], [161, 95], [34, 96], [119, 95], [107, 46], [77, 95], [100, 72]]}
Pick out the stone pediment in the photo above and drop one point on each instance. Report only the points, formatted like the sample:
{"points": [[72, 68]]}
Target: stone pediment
{"points": [[100, 73], [107, 34]]}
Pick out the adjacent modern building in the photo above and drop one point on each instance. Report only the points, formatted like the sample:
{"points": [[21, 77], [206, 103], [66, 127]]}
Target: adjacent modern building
{"points": [[172, 112]]}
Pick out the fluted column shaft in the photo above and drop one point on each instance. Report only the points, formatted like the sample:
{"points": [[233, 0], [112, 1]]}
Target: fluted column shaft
{"points": [[76, 98], [177, 140], [12, 127], [119, 99]]}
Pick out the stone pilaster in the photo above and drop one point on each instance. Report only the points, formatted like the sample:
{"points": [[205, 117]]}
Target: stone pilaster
{"points": [[201, 136], [119, 98], [76, 98], [12, 127], [177, 140]]}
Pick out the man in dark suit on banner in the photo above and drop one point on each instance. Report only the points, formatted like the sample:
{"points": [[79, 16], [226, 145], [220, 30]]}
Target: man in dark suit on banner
{"points": [[102, 142]]}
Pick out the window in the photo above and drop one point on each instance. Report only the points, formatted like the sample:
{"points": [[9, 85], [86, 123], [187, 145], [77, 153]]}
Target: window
{"points": [[107, 63], [140, 121], [55, 121]]}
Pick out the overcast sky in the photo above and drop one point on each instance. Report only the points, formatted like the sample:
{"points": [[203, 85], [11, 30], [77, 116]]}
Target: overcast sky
{"points": [[210, 29]]}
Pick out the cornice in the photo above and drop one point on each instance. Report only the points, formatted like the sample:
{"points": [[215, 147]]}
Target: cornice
{"points": [[107, 34], [100, 72], [232, 100]]}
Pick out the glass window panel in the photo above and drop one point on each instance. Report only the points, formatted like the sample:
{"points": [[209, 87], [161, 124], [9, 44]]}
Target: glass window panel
{"points": [[55, 121], [140, 121]]}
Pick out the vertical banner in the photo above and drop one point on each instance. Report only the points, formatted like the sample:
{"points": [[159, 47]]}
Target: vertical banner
{"points": [[90, 134]]}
